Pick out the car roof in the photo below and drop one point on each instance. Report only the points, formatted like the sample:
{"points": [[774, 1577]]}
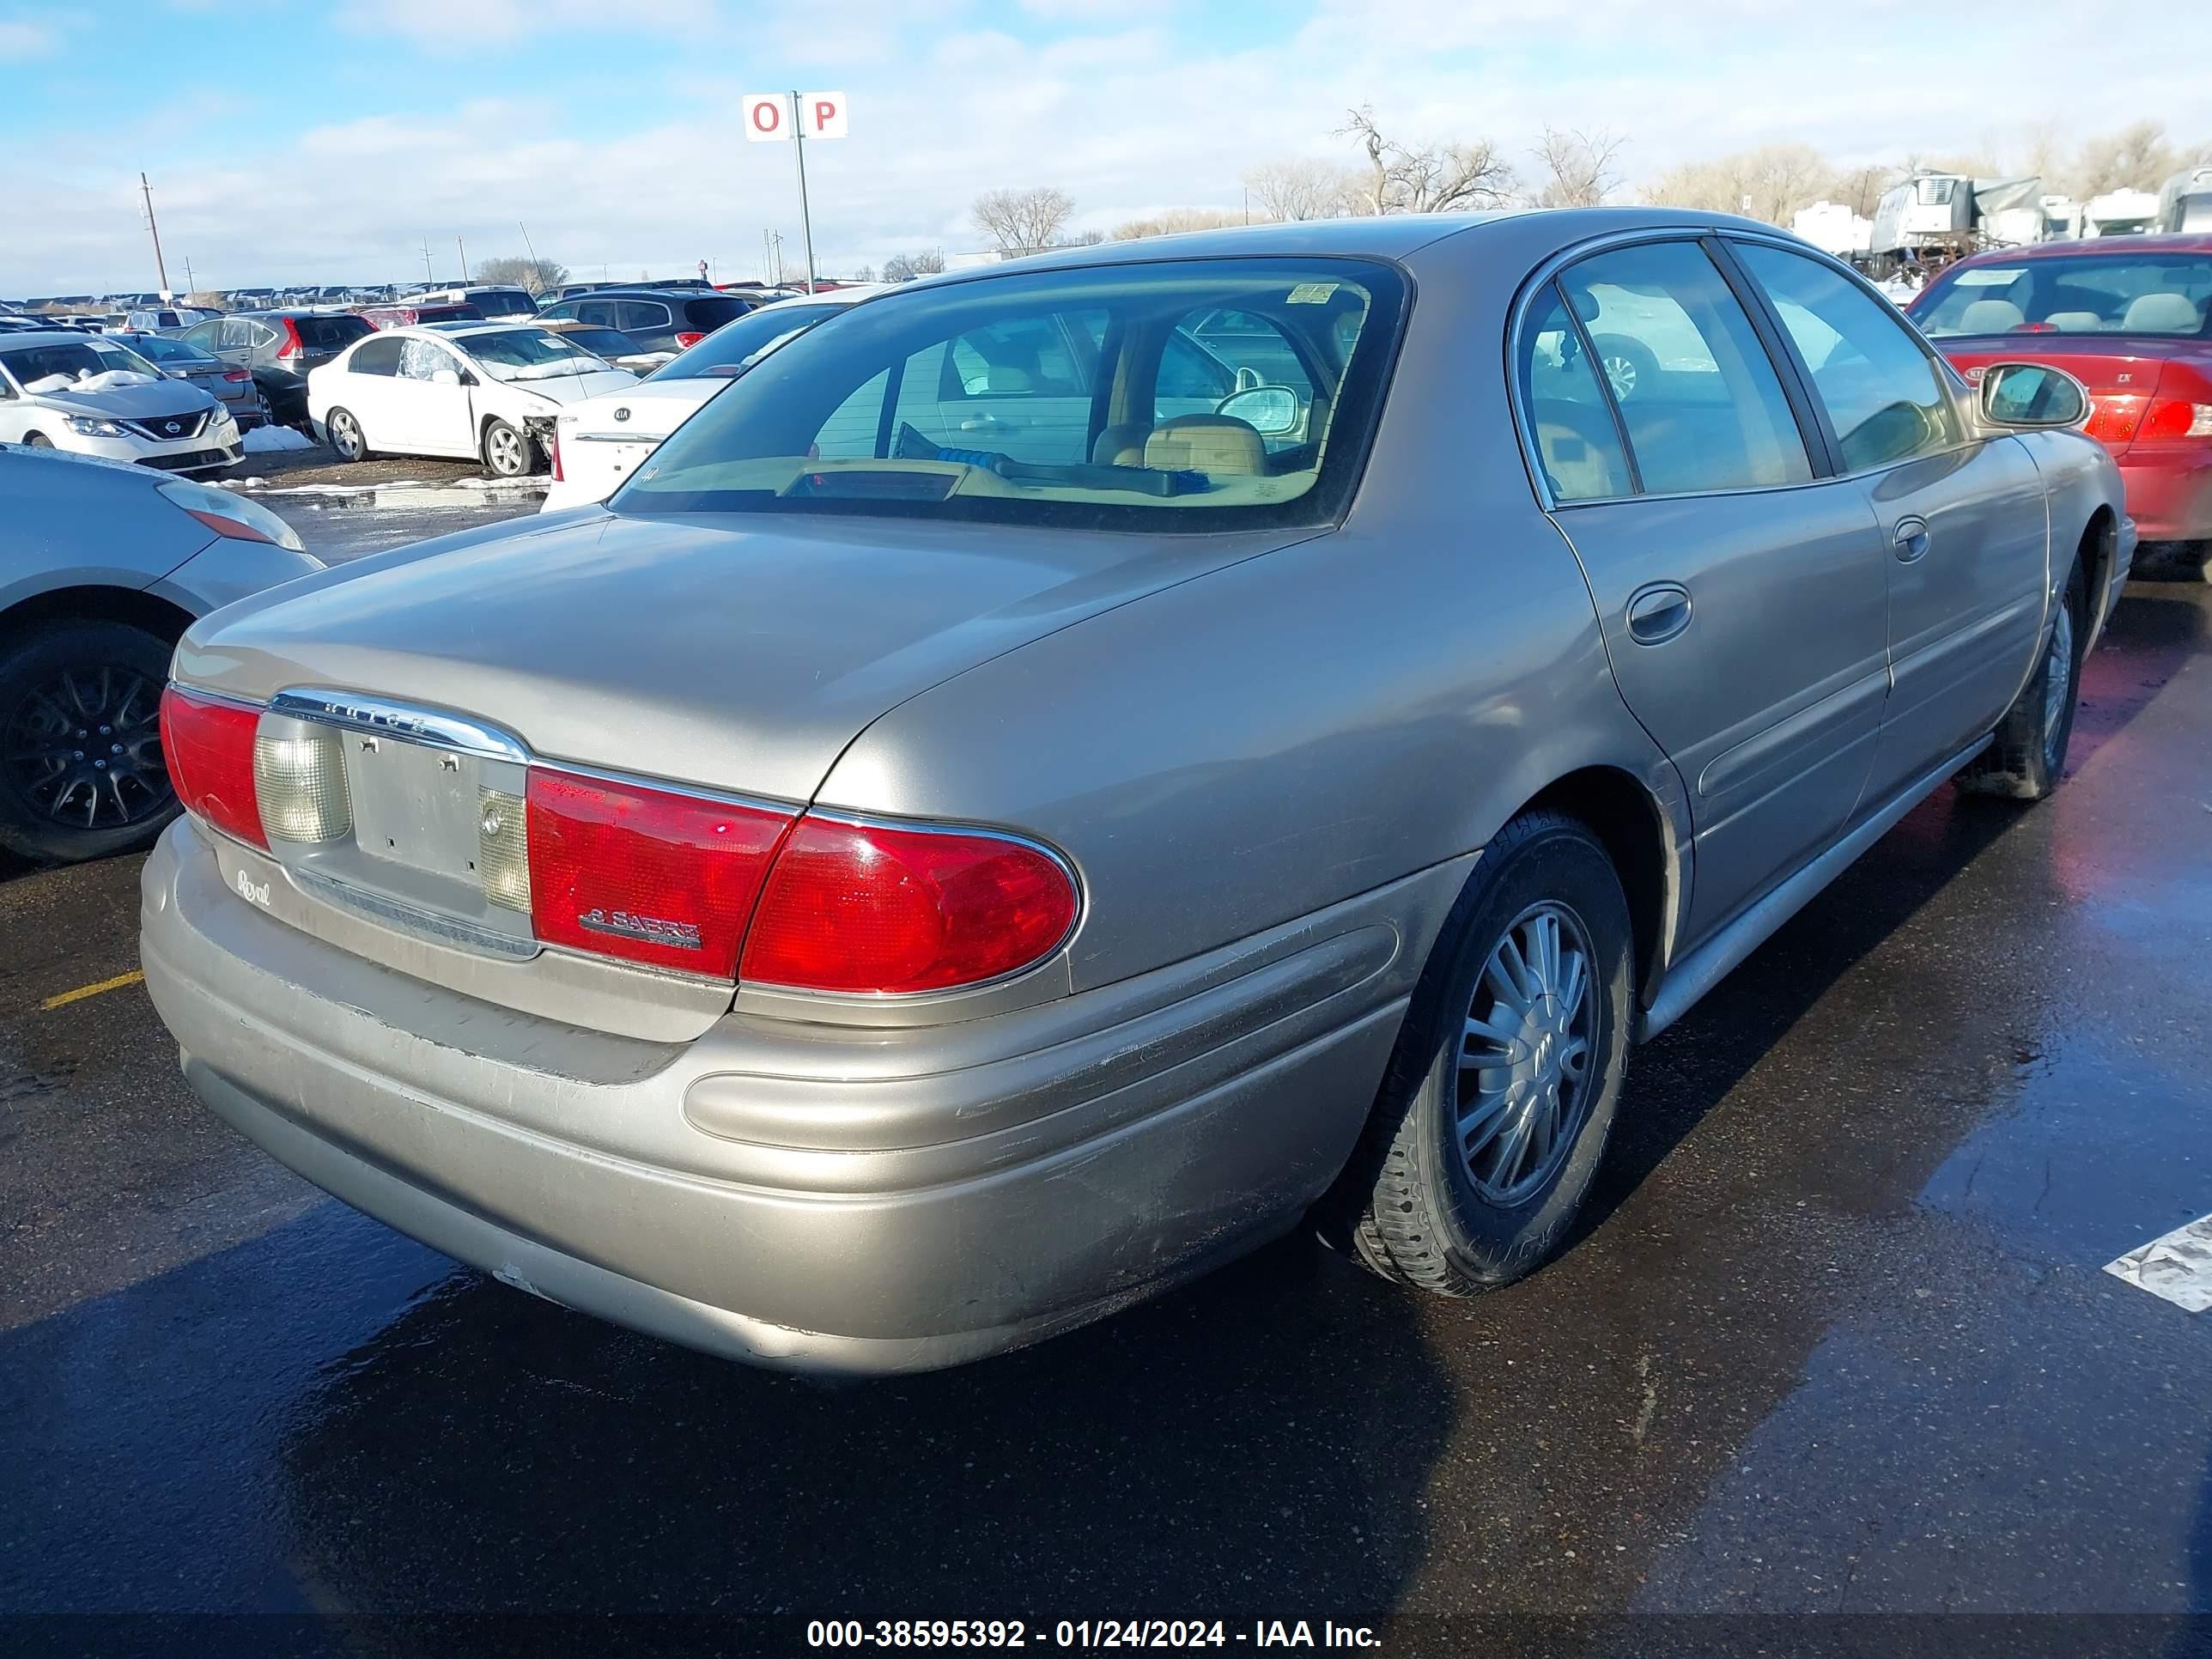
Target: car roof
{"points": [[51, 336], [835, 297], [2150, 247]]}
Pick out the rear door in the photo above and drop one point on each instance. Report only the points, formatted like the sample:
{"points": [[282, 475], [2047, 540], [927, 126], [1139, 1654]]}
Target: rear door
{"points": [[1962, 522], [1742, 594], [365, 389]]}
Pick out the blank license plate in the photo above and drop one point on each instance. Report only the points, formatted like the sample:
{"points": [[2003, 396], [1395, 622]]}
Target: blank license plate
{"points": [[413, 804]]}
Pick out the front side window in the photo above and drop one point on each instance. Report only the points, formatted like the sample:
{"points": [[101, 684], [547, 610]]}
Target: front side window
{"points": [[1882, 396], [1704, 406], [1033, 398], [419, 360], [1577, 442]]}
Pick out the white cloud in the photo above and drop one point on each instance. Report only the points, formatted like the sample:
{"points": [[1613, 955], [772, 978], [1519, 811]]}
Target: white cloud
{"points": [[22, 39], [1128, 120]]}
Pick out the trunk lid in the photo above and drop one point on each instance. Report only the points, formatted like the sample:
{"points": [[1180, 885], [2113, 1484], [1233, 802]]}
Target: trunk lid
{"points": [[739, 652], [644, 413], [2120, 371]]}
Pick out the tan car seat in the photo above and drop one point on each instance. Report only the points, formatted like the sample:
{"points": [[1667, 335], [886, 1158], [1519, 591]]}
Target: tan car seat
{"points": [[1121, 445], [1218, 443], [1991, 317], [2162, 313]]}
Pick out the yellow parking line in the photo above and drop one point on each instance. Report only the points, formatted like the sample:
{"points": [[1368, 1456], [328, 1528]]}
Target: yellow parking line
{"points": [[83, 991]]}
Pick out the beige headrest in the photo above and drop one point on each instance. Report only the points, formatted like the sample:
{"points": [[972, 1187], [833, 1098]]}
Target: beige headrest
{"points": [[997, 378], [2167, 314], [1121, 445], [1206, 443], [2075, 322], [1991, 317]]}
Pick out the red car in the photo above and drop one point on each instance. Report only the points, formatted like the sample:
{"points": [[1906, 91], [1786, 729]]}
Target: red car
{"points": [[2130, 318]]}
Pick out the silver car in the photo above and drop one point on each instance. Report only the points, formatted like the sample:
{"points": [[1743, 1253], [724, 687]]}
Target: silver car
{"points": [[181, 360], [102, 565], [987, 823]]}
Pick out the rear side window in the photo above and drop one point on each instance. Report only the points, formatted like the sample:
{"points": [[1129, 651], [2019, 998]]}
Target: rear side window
{"points": [[636, 316], [1704, 406], [1576, 441], [379, 356], [1881, 394]]}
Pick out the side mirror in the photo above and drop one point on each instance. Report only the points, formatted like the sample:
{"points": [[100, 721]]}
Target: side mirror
{"points": [[444, 377], [1270, 410], [2031, 395], [1248, 378]]}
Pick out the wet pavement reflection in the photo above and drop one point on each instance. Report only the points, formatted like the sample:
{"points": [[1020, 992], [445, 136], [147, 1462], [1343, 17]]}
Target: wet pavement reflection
{"points": [[1836, 1341]]}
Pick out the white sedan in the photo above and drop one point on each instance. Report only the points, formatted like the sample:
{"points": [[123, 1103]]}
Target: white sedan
{"points": [[600, 443], [483, 390], [94, 397]]}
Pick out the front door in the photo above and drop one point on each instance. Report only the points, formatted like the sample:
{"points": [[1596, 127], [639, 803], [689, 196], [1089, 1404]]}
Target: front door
{"points": [[429, 417], [1961, 521], [1742, 598]]}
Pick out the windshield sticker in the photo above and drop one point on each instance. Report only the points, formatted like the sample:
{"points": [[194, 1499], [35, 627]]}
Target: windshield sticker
{"points": [[1989, 276], [1312, 294]]}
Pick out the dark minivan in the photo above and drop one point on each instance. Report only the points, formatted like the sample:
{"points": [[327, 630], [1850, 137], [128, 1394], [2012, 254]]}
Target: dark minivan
{"points": [[279, 348], [658, 319]]}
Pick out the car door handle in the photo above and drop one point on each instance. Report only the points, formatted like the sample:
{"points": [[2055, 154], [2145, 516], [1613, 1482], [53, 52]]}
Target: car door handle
{"points": [[1656, 613], [980, 423], [1912, 540]]}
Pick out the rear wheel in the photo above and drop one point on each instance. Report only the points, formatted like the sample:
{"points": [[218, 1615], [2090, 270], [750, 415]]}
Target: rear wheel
{"points": [[1495, 1112], [2027, 757], [507, 452], [346, 436], [81, 768]]}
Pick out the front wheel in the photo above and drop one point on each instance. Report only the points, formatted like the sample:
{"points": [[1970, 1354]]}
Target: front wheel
{"points": [[2027, 757], [346, 436], [1629, 366], [1494, 1115], [507, 452], [38, 440], [81, 768]]}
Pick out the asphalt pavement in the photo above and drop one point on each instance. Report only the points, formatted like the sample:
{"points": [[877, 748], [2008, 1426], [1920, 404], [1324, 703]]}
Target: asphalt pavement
{"points": [[1836, 1366]]}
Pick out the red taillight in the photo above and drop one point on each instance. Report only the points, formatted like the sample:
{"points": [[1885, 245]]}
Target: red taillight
{"points": [[237, 376], [558, 475], [869, 909], [2176, 417], [644, 874], [208, 748], [685, 341], [291, 348]]}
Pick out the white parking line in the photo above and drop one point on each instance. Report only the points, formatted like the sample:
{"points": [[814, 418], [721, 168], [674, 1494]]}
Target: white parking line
{"points": [[2178, 1266]]}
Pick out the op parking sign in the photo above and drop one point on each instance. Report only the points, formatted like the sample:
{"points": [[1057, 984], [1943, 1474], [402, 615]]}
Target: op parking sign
{"points": [[768, 115]]}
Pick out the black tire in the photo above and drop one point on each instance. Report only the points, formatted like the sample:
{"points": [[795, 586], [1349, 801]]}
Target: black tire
{"points": [[347, 439], [2027, 757], [38, 440], [1628, 364], [1409, 1206], [70, 792], [509, 453]]}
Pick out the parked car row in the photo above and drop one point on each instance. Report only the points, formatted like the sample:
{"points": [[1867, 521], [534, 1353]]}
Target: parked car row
{"points": [[1053, 776]]}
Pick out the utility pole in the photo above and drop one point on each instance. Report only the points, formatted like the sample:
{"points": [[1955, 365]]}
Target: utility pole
{"points": [[805, 216], [189, 288], [146, 190], [428, 274], [537, 274], [464, 247]]}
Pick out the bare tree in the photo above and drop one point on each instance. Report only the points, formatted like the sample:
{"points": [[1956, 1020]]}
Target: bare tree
{"points": [[1023, 221], [1578, 166], [1770, 183], [1176, 220], [898, 269], [513, 270], [2137, 156], [1860, 188], [1426, 178], [930, 262], [1304, 187]]}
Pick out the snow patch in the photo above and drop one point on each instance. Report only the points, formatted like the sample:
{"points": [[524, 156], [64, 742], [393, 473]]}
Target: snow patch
{"points": [[107, 380], [264, 440]]}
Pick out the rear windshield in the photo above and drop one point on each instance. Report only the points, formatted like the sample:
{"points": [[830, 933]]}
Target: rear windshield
{"points": [[707, 315], [503, 301], [1108, 398], [734, 348], [330, 333], [157, 348], [2087, 294]]}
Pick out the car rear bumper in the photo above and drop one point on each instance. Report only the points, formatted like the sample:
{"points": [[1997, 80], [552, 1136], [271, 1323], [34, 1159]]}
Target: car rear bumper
{"points": [[906, 1198], [2170, 490]]}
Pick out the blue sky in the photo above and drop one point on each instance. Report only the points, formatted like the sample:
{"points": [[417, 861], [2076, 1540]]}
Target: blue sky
{"points": [[313, 142]]}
